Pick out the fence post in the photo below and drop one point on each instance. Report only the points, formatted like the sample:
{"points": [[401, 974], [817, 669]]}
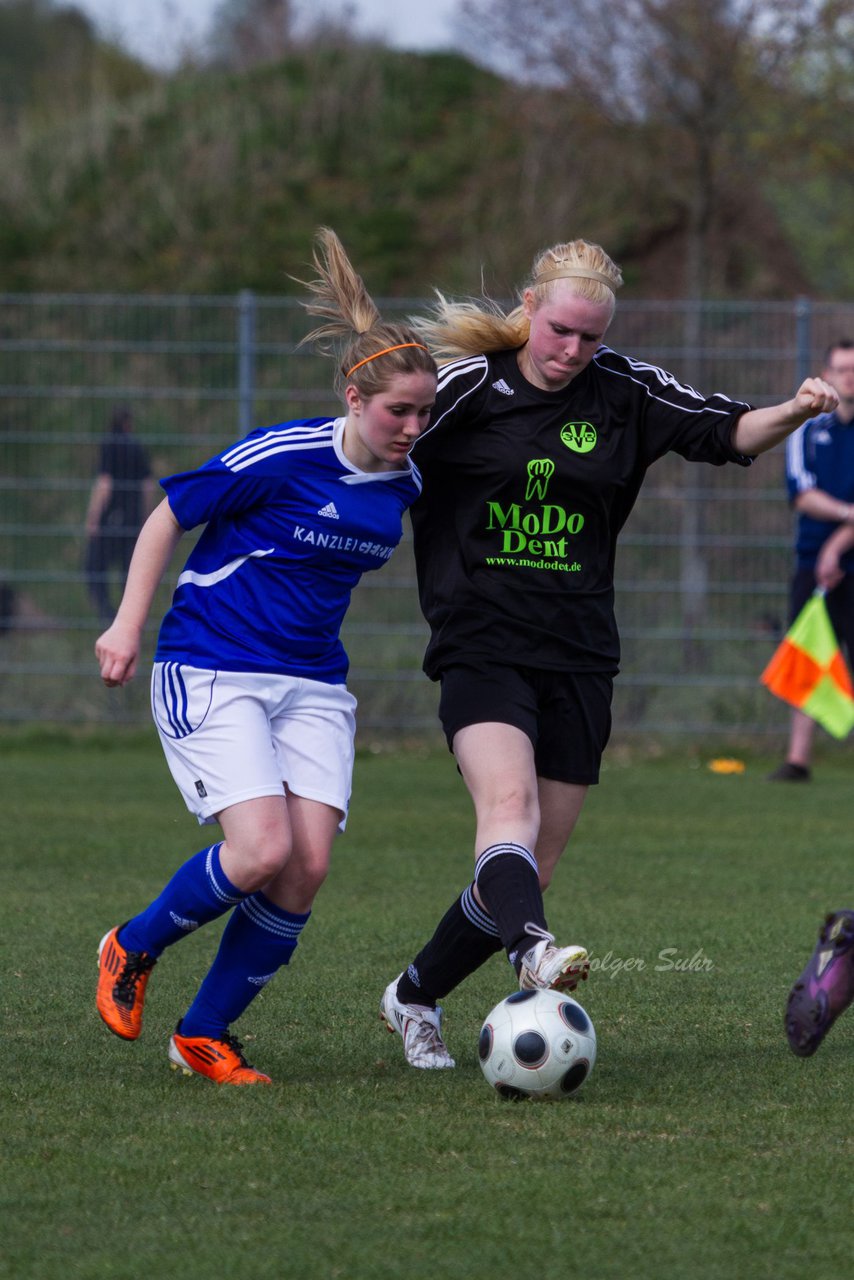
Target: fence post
{"points": [[245, 361], [693, 570], [803, 339]]}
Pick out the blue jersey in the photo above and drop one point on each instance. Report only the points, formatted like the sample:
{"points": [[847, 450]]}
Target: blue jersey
{"points": [[820, 455], [290, 527]]}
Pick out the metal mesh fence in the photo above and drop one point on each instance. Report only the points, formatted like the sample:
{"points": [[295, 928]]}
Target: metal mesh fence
{"points": [[702, 567]]}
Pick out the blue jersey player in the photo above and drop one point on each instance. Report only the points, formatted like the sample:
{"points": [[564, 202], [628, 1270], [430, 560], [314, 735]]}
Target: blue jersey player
{"points": [[248, 686]]}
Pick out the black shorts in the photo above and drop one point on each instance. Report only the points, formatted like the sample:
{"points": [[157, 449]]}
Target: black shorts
{"points": [[566, 714], [840, 605]]}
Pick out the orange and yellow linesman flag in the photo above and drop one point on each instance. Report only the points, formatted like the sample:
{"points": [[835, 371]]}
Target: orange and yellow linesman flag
{"points": [[809, 671]]}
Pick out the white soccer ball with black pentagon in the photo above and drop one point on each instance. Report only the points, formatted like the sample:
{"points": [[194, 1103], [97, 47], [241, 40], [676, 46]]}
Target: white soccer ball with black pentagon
{"points": [[537, 1044]]}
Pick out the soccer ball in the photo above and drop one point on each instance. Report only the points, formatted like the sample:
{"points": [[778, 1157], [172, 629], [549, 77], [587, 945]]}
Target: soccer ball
{"points": [[537, 1044]]}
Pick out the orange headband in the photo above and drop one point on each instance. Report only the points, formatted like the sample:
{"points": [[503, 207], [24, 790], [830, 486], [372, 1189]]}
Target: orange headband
{"points": [[385, 352]]}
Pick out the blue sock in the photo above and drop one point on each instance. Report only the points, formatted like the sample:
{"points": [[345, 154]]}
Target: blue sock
{"points": [[197, 893], [258, 939]]}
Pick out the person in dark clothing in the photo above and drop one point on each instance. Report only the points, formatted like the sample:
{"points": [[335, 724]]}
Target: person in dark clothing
{"points": [[118, 505], [820, 482]]}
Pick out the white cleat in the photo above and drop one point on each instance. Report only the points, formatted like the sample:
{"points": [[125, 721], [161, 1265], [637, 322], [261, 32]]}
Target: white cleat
{"points": [[420, 1029], [549, 968]]}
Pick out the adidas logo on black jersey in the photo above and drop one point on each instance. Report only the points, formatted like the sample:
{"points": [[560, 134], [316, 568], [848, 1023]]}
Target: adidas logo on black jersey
{"points": [[502, 386], [329, 511]]}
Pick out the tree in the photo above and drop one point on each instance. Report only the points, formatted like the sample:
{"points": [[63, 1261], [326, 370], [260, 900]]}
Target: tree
{"points": [[247, 32], [53, 65], [35, 36], [810, 158], [689, 79]]}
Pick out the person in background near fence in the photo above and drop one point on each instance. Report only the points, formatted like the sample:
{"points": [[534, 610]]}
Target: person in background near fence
{"points": [[248, 686], [119, 502], [820, 480], [537, 447]]}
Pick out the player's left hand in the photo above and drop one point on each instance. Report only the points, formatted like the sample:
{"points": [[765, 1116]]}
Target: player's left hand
{"points": [[815, 396]]}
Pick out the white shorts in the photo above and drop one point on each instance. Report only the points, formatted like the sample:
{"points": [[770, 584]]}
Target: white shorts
{"points": [[235, 735]]}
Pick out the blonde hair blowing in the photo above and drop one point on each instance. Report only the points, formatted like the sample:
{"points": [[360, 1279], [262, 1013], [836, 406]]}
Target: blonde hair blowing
{"points": [[456, 329], [354, 331]]}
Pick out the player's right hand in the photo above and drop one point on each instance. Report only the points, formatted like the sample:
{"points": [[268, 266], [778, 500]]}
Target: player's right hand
{"points": [[816, 396], [117, 651]]}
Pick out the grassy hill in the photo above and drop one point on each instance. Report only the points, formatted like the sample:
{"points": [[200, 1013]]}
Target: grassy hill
{"points": [[428, 166], [216, 181]]}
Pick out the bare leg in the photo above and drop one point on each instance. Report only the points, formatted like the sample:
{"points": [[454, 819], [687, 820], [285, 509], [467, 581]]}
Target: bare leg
{"points": [[801, 736], [258, 841], [513, 808], [497, 764], [314, 827], [262, 933], [560, 806]]}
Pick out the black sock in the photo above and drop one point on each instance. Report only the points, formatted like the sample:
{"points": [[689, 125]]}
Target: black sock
{"points": [[465, 938], [509, 887]]}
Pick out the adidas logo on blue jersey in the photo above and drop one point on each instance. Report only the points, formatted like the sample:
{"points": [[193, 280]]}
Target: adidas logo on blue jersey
{"points": [[329, 511], [502, 386]]}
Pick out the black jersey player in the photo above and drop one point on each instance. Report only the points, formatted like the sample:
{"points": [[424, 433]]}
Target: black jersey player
{"points": [[539, 441]]}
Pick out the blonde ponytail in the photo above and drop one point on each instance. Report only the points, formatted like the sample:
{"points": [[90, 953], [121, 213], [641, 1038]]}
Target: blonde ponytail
{"points": [[369, 350]]}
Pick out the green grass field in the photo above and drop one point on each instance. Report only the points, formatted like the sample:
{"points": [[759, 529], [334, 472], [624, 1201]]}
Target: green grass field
{"points": [[699, 1147]]}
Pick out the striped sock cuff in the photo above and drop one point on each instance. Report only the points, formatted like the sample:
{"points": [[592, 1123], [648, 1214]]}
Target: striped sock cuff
{"points": [[475, 914], [221, 887], [499, 850], [265, 915]]}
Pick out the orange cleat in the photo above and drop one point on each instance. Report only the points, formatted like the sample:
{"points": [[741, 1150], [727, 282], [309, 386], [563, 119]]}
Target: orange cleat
{"points": [[220, 1060], [123, 976]]}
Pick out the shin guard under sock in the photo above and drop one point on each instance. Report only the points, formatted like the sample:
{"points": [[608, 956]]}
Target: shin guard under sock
{"points": [[198, 892], [464, 939], [509, 886], [257, 940]]}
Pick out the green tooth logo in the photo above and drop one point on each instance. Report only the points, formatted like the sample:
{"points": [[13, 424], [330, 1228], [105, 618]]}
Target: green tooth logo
{"points": [[580, 437], [540, 472]]}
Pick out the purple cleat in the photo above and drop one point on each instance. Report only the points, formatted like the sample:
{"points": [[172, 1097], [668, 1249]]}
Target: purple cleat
{"points": [[825, 988]]}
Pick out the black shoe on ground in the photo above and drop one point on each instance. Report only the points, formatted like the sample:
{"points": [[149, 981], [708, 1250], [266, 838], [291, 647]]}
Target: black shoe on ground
{"points": [[789, 772]]}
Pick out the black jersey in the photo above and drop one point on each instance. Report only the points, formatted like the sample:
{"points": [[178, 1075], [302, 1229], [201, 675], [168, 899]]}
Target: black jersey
{"points": [[525, 492]]}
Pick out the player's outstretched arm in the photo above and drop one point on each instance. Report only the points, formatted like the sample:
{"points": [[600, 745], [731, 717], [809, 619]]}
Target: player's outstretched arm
{"points": [[760, 429], [117, 650]]}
